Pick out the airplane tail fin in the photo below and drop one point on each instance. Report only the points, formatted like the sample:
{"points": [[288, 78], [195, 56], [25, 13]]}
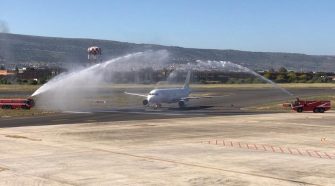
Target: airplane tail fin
{"points": [[187, 81]]}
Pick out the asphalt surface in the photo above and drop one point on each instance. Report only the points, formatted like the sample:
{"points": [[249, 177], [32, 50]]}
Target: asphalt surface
{"points": [[74, 117], [231, 103]]}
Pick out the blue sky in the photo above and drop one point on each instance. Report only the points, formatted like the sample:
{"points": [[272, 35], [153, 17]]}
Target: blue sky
{"points": [[303, 26]]}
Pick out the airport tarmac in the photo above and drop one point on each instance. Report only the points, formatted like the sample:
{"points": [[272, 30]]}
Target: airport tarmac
{"points": [[262, 149], [212, 142]]}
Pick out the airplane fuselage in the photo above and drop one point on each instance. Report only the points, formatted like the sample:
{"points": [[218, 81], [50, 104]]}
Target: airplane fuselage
{"points": [[171, 95]]}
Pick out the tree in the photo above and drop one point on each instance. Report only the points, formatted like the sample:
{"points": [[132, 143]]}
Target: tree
{"points": [[291, 77], [43, 81], [303, 78], [268, 75], [282, 70], [33, 82], [272, 70], [281, 78]]}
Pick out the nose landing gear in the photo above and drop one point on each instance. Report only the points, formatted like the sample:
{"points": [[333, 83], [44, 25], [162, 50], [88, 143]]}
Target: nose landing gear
{"points": [[157, 106], [154, 106], [181, 104]]}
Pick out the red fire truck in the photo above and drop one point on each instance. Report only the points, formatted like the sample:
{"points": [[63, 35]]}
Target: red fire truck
{"points": [[313, 105], [16, 103]]}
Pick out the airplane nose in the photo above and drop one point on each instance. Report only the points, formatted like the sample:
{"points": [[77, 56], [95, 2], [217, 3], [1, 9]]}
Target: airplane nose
{"points": [[151, 99]]}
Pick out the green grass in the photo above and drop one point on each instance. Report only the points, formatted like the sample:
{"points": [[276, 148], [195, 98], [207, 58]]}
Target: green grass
{"points": [[18, 88], [4, 113]]}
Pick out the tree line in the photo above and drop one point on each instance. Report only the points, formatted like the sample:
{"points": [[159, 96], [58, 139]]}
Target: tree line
{"points": [[282, 75], [285, 76]]}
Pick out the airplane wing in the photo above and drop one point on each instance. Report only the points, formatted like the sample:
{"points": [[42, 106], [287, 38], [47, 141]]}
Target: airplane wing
{"points": [[136, 94], [197, 97], [201, 97]]}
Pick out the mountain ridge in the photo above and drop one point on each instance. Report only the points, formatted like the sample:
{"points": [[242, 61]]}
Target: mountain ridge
{"points": [[17, 48]]}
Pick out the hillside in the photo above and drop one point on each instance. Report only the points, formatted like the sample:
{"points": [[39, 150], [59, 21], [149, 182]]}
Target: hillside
{"points": [[34, 49]]}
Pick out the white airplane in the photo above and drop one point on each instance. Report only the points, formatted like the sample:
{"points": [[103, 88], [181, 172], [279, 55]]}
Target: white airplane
{"points": [[156, 97]]}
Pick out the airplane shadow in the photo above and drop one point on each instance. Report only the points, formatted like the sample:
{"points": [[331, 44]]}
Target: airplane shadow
{"points": [[191, 108]]}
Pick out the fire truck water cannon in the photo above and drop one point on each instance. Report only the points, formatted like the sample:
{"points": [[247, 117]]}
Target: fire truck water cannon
{"points": [[317, 106], [17, 103]]}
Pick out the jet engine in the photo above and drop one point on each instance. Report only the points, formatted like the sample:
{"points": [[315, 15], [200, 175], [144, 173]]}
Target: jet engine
{"points": [[145, 102]]}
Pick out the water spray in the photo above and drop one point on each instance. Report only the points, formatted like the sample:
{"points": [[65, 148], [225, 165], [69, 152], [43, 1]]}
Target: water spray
{"points": [[69, 91], [223, 66]]}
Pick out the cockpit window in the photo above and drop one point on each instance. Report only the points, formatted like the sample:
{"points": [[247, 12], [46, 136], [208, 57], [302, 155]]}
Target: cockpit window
{"points": [[153, 94]]}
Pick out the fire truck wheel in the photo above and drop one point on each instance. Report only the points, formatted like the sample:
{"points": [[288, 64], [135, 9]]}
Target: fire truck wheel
{"points": [[25, 107], [299, 109], [315, 110], [321, 110], [6, 107]]}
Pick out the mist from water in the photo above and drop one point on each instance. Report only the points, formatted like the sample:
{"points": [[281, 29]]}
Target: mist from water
{"points": [[4, 28], [223, 66], [5, 48], [69, 91]]}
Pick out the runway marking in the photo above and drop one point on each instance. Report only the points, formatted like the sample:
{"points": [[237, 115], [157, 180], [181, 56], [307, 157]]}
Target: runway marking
{"points": [[22, 137], [77, 112], [57, 120], [3, 169], [272, 149], [203, 166], [91, 120]]}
